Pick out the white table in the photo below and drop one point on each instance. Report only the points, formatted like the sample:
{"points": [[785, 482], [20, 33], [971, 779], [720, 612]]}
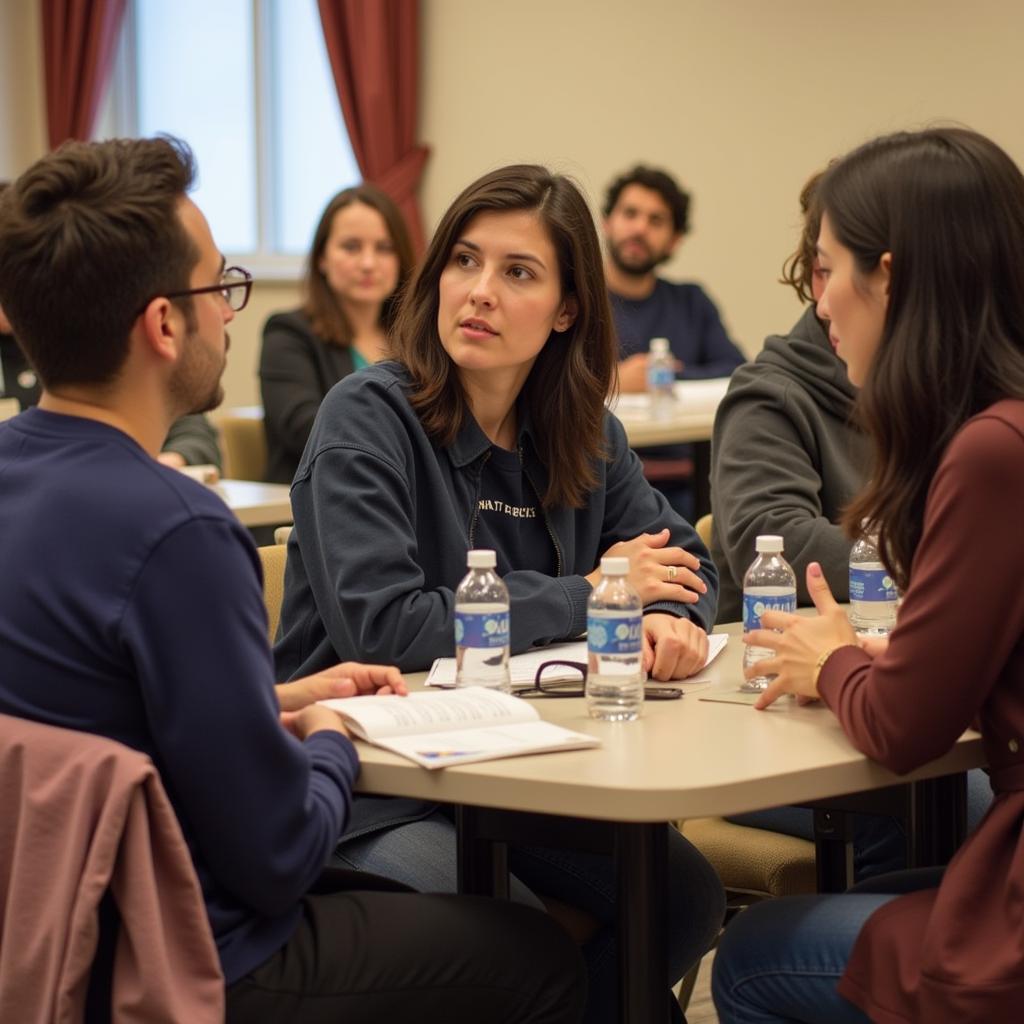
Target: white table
{"points": [[682, 759], [691, 419], [255, 503]]}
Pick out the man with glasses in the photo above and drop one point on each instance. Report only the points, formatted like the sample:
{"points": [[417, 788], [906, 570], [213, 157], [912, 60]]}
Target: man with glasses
{"points": [[131, 607]]}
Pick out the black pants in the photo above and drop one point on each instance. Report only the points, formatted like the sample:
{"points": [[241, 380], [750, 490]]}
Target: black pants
{"points": [[388, 957]]}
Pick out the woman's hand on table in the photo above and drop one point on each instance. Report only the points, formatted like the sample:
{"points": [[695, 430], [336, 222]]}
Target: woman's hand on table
{"points": [[674, 648], [803, 640], [657, 572]]}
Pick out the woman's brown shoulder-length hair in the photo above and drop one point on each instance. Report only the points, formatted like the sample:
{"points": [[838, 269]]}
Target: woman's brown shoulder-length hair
{"points": [[948, 204], [320, 304], [566, 390]]}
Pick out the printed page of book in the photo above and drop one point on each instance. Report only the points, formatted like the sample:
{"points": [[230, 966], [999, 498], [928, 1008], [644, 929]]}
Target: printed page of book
{"points": [[373, 718], [485, 743]]}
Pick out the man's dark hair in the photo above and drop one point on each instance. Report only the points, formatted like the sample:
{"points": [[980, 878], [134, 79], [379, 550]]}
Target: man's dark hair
{"points": [[89, 235], [664, 184]]}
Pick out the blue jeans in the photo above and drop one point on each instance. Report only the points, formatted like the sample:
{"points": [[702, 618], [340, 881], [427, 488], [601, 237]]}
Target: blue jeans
{"points": [[781, 960], [879, 842], [422, 855]]}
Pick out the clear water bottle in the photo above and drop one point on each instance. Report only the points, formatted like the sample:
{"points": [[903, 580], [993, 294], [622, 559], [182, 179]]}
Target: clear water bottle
{"points": [[769, 585], [615, 675], [481, 625], [661, 379], [873, 594]]}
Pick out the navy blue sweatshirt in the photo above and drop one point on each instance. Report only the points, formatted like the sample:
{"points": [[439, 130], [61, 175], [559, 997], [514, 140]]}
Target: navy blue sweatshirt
{"points": [[131, 607]]}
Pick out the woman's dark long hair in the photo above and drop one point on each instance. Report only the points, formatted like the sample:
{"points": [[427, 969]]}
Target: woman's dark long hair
{"points": [[568, 384], [320, 304], [948, 204]]}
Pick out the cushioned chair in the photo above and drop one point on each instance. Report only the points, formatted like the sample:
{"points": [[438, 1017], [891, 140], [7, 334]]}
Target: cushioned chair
{"points": [[273, 558], [101, 913], [244, 446]]}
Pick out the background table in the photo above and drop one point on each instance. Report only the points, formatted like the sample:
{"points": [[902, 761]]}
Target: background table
{"points": [[691, 420], [682, 759], [256, 504]]}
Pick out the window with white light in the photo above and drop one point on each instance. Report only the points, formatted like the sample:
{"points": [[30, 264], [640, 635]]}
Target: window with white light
{"points": [[247, 83]]}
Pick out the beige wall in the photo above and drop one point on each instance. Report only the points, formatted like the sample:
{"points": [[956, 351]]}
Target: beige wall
{"points": [[742, 99], [22, 124]]}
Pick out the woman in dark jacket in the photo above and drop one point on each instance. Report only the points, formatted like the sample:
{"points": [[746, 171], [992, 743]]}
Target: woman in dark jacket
{"points": [[491, 430], [360, 258]]}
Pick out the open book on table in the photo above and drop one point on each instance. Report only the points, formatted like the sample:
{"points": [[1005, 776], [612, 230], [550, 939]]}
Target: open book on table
{"points": [[441, 728]]}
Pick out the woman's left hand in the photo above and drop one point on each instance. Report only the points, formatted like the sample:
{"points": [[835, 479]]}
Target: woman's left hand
{"points": [[348, 679], [674, 648], [801, 643]]}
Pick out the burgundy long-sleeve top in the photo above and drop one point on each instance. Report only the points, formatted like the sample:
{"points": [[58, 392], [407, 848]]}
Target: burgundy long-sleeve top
{"points": [[955, 659]]}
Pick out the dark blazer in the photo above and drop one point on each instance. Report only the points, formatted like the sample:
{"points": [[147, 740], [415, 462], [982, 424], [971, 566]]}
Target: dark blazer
{"points": [[297, 369]]}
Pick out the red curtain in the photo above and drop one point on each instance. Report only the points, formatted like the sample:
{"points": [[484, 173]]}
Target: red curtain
{"points": [[79, 37], [373, 47]]}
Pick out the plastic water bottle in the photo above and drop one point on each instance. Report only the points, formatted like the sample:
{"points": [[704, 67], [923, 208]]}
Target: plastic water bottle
{"points": [[769, 585], [615, 675], [873, 594], [481, 625], [661, 379]]}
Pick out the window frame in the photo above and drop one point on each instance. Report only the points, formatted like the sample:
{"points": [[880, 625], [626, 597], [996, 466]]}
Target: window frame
{"points": [[119, 117]]}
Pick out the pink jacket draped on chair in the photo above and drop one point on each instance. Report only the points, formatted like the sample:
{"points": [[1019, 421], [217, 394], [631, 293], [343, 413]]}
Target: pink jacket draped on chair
{"points": [[82, 814]]}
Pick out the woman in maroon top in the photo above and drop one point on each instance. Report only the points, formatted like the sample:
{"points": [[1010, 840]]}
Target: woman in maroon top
{"points": [[922, 240]]}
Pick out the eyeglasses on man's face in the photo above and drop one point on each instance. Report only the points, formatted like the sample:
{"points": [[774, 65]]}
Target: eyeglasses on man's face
{"points": [[569, 678], [234, 286]]}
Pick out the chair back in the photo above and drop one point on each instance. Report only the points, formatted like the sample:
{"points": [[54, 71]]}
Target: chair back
{"points": [[273, 558], [87, 822], [703, 528], [244, 445]]}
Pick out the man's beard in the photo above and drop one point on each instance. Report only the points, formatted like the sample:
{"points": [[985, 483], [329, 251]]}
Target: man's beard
{"points": [[197, 385], [637, 267]]}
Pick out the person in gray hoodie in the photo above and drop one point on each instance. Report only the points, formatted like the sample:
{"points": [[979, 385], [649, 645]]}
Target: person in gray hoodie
{"points": [[785, 454]]}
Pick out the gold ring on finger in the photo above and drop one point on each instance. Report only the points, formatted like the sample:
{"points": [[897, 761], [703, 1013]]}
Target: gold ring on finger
{"points": [[673, 572]]}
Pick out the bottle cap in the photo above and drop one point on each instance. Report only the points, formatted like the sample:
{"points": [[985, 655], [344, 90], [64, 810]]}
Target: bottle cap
{"points": [[659, 346], [614, 566], [481, 558], [770, 543]]}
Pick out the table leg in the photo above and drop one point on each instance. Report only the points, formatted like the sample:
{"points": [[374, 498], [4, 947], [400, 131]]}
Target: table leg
{"points": [[939, 817], [833, 841], [641, 858], [482, 863]]}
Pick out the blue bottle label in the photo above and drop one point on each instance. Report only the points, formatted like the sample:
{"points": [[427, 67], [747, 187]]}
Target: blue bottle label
{"points": [[872, 585], [614, 635], [755, 605], [481, 629], [660, 377]]}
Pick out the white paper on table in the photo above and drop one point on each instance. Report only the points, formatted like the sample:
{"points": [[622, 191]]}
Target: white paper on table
{"points": [[694, 396], [523, 667]]}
